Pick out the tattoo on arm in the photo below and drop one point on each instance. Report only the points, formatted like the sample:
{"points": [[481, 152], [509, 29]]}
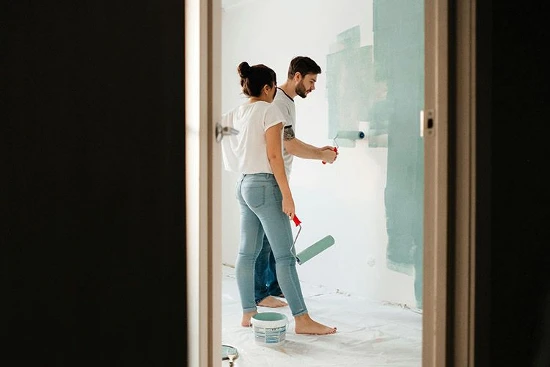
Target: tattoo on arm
{"points": [[288, 133]]}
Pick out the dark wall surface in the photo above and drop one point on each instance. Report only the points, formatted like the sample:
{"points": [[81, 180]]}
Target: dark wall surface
{"points": [[92, 146], [514, 242]]}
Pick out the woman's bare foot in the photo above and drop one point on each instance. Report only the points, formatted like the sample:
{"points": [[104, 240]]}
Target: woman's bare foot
{"points": [[247, 317], [305, 325], [272, 302]]}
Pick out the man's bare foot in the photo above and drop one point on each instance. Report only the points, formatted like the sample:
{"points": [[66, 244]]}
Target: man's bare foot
{"points": [[272, 302], [305, 325], [246, 318]]}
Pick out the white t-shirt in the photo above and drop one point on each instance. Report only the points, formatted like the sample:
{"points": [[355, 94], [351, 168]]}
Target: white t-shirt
{"points": [[287, 107], [246, 152]]}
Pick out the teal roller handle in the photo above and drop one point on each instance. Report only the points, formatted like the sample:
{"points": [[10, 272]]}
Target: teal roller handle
{"points": [[351, 135], [315, 249]]}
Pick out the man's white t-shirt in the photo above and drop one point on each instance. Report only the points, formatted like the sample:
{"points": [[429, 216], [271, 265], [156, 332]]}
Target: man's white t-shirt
{"points": [[288, 109], [246, 152]]}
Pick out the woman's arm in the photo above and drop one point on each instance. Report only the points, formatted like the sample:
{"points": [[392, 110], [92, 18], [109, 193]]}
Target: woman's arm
{"points": [[275, 157]]}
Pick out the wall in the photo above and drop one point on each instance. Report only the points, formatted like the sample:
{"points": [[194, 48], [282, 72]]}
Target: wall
{"points": [[93, 235], [356, 91], [512, 256]]}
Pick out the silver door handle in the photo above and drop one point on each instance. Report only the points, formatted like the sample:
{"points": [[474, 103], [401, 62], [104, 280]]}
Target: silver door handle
{"points": [[221, 131]]}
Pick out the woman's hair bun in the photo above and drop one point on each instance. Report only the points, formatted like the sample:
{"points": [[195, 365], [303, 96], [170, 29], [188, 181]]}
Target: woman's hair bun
{"points": [[243, 69]]}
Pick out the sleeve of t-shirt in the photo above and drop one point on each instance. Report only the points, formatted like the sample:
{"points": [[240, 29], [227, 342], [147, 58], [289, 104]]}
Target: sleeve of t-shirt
{"points": [[273, 116], [228, 145], [227, 119], [283, 107]]}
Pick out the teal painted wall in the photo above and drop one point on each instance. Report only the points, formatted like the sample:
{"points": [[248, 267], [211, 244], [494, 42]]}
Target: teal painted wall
{"points": [[383, 85], [350, 81], [399, 63]]}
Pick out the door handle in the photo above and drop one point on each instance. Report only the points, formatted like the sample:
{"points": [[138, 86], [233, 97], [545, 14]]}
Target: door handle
{"points": [[222, 131]]}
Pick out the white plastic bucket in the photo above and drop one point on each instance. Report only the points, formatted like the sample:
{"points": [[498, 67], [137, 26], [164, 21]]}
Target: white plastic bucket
{"points": [[269, 328]]}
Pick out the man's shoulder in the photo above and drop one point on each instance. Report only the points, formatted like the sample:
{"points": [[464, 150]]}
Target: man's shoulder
{"points": [[283, 103], [282, 97]]}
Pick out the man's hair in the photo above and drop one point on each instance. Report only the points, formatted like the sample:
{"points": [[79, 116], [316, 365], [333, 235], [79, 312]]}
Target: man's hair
{"points": [[303, 65]]}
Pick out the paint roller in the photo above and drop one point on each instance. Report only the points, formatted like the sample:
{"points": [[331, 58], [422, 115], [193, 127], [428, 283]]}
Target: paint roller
{"points": [[350, 135], [314, 249]]}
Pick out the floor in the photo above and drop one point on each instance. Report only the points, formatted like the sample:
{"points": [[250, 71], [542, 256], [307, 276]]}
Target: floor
{"points": [[370, 334]]}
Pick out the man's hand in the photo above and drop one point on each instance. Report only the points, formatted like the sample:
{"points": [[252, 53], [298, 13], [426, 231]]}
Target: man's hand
{"points": [[328, 154]]}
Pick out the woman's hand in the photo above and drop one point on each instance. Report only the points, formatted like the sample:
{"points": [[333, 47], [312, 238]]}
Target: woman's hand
{"points": [[288, 206]]}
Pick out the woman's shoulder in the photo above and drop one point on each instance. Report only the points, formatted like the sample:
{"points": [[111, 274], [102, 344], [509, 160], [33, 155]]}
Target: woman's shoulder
{"points": [[260, 106]]}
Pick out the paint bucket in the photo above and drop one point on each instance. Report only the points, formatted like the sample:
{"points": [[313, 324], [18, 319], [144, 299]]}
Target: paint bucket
{"points": [[269, 328]]}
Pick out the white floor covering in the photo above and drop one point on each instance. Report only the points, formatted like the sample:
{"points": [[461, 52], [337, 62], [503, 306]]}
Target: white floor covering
{"points": [[370, 334]]}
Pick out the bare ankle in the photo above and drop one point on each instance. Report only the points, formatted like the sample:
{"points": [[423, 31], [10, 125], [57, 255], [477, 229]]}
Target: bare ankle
{"points": [[247, 317]]}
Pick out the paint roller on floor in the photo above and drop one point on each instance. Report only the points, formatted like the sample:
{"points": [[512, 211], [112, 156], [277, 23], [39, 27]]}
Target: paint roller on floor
{"points": [[314, 249]]}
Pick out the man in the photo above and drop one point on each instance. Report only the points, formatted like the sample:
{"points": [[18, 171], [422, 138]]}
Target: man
{"points": [[301, 79]]}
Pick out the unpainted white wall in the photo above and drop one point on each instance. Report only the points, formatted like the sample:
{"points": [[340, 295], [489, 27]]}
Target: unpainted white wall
{"points": [[346, 199]]}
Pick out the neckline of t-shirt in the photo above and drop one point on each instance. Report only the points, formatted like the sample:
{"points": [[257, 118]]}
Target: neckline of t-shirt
{"points": [[289, 97], [251, 103]]}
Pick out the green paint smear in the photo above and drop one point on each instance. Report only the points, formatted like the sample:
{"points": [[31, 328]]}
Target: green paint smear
{"points": [[384, 85]]}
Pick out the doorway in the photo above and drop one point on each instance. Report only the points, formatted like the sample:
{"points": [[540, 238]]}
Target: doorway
{"points": [[372, 83], [213, 252]]}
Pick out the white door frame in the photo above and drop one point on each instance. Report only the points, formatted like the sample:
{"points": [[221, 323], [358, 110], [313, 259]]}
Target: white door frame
{"points": [[203, 168]]}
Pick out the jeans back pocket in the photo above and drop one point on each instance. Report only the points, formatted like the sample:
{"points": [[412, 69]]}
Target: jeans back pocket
{"points": [[254, 196]]}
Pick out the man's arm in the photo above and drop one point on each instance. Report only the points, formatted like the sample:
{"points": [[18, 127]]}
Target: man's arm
{"points": [[298, 148]]}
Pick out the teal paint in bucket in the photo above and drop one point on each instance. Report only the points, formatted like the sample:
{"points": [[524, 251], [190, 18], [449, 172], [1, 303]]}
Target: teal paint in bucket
{"points": [[269, 328]]}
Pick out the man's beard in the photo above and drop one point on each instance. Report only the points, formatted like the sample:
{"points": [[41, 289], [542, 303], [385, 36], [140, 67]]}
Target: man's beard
{"points": [[301, 90]]}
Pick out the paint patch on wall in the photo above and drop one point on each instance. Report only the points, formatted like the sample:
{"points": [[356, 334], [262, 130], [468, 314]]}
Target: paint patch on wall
{"points": [[399, 64], [380, 88], [350, 80]]}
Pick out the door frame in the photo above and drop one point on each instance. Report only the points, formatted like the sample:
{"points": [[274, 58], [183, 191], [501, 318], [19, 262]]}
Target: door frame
{"points": [[202, 38], [434, 131], [448, 282], [449, 118]]}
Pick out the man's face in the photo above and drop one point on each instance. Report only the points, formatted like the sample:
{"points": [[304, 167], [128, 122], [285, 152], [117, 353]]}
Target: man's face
{"points": [[306, 84]]}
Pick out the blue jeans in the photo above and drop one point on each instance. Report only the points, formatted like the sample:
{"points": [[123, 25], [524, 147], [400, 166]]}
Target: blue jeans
{"points": [[260, 201], [265, 283]]}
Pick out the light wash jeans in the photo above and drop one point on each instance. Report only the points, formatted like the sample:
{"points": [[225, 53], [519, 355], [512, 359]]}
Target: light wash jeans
{"points": [[260, 200]]}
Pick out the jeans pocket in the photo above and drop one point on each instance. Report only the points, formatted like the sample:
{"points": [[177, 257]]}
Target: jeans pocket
{"points": [[254, 196], [277, 193]]}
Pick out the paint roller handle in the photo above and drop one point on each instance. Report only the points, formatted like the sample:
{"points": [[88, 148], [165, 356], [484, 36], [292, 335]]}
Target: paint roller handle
{"points": [[335, 150], [296, 220]]}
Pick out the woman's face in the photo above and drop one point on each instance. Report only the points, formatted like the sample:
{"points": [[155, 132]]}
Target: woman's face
{"points": [[271, 93]]}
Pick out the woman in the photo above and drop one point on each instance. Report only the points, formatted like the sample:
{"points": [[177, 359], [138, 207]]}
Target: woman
{"points": [[264, 195]]}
